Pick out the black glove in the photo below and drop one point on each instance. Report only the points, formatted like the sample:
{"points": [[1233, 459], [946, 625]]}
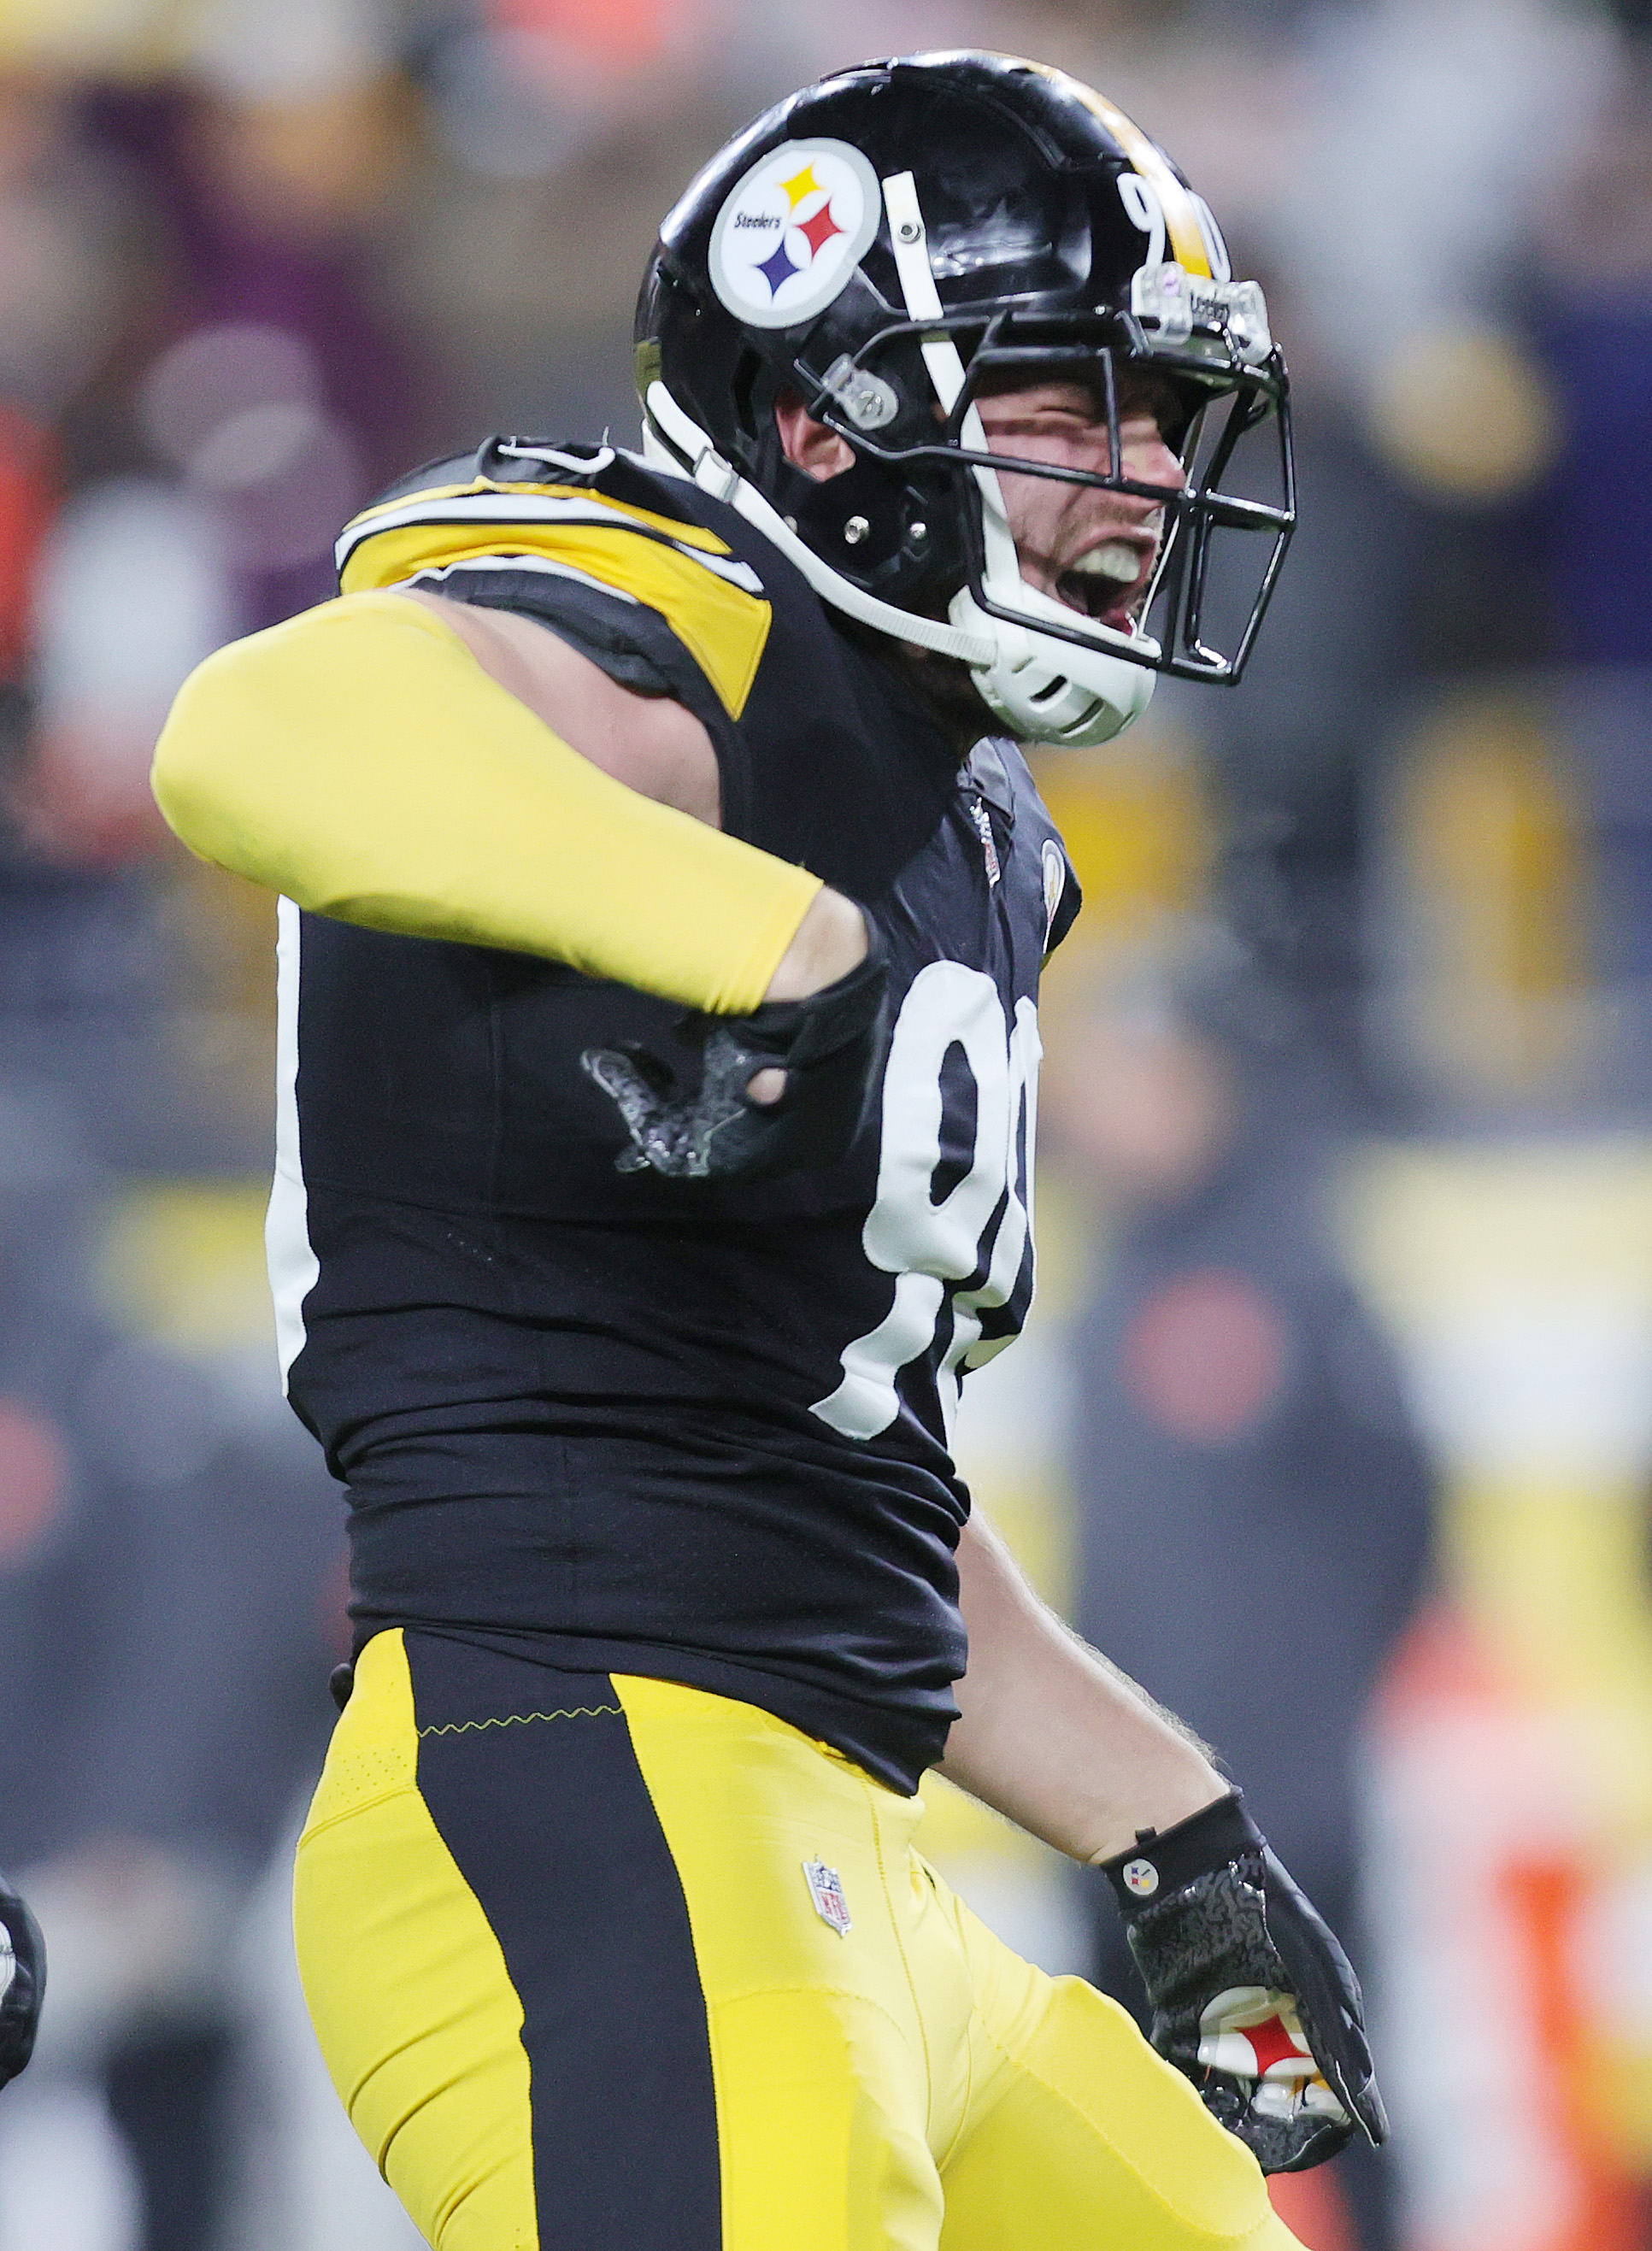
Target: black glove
{"points": [[829, 1046], [22, 1982], [1252, 1996]]}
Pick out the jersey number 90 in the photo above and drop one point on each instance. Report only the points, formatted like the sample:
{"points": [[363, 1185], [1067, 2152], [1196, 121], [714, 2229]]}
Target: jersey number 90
{"points": [[978, 1233]]}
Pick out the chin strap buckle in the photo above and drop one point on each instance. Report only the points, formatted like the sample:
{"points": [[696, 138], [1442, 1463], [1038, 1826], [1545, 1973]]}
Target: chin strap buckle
{"points": [[714, 475]]}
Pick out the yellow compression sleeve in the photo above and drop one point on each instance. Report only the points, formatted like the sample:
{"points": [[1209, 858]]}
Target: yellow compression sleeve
{"points": [[359, 759]]}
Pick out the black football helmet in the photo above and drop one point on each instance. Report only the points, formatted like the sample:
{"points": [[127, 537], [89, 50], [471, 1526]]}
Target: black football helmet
{"points": [[892, 242]]}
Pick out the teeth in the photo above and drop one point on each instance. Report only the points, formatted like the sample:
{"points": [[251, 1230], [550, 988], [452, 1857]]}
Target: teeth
{"points": [[1115, 558]]}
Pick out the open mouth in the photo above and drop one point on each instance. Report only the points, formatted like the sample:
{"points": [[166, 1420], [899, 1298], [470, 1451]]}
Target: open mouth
{"points": [[1103, 584]]}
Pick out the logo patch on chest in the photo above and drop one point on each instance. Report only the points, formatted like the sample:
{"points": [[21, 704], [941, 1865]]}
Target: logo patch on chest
{"points": [[826, 1889], [983, 820]]}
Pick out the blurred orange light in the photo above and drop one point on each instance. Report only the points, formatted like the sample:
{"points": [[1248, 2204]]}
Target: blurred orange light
{"points": [[1313, 2207], [1206, 1356], [27, 500], [621, 34], [33, 1480]]}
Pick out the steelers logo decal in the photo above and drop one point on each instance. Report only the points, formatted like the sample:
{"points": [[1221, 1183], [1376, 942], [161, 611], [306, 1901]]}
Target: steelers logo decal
{"points": [[793, 231], [1142, 1877]]}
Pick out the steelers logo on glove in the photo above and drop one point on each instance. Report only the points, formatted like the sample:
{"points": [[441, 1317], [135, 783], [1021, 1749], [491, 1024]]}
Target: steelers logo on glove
{"points": [[1253, 1998]]}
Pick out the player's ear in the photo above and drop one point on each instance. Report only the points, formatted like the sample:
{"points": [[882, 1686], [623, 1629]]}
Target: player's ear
{"points": [[809, 445]]}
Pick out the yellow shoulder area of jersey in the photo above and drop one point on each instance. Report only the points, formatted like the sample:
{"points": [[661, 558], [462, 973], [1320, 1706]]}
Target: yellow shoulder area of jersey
{"points": [[676, 569]]}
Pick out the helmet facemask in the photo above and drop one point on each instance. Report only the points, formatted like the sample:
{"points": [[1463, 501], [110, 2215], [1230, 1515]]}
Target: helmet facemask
{"points": [[1224, 528]]}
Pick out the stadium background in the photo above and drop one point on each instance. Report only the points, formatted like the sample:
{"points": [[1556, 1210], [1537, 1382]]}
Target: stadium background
{"points": [[1338, 1405]]}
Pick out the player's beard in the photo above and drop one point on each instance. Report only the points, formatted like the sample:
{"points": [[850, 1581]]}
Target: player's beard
{"points": [[942, 685], [947, 689]]}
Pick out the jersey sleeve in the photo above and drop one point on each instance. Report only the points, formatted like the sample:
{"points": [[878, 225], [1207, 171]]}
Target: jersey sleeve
{"points": [[585, 545]]}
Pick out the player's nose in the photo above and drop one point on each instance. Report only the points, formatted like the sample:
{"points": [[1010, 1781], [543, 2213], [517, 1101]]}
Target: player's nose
{"points": [[1151, 461]]}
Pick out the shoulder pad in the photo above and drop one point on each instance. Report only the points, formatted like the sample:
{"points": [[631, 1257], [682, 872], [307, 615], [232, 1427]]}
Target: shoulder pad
{"points": [[581, 514], [610, 470]]}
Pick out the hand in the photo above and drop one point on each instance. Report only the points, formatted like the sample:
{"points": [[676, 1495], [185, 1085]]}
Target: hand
{"points": [[1253, 1998], [22, 1982], [824, 1050]]}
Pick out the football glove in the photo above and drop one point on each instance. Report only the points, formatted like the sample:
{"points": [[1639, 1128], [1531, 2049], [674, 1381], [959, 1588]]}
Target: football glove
{"points": [[22, 1982], [1253, 1998], [829, 1046]]}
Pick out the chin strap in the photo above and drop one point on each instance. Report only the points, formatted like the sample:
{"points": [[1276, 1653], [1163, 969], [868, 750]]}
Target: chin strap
{"points": [[687, 452]]}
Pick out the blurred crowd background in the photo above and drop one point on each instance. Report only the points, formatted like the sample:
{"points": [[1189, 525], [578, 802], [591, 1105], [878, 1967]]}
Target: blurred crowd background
{"points": [[1334, 1422]]}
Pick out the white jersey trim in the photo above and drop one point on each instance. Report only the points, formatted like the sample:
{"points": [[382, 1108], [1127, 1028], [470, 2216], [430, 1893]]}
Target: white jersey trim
{"points": [[505, 509], [293, 1267], [539, 563]]}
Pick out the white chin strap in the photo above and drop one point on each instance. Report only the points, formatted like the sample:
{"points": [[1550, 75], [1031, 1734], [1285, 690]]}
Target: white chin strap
{"points": [[1044, 688]]}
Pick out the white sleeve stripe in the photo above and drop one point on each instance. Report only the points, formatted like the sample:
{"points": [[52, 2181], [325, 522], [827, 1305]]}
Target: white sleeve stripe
{"points": [[504, 508], [518, 563], [293, 1267]]}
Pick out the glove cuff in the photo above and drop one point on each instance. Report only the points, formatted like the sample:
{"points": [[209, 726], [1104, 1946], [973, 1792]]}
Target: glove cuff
{"points": [[803, 1031], [1163, 1861]]}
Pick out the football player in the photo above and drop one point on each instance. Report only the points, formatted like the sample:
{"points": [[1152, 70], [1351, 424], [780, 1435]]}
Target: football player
{"points": [[664, 900]]}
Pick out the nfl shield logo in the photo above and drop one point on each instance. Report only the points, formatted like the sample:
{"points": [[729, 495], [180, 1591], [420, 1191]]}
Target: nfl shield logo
{"points": [[826, 1889]]}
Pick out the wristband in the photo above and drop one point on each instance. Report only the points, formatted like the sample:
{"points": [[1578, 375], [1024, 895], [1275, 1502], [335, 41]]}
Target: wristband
{"points": [[1164, 1860]]}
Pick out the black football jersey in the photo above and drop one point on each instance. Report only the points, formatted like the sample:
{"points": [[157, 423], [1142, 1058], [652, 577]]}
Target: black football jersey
{"points": [[687, 1428]]}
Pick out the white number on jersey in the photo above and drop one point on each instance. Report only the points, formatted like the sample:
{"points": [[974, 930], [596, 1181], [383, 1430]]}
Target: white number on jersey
{"points": [[926, 1244]]}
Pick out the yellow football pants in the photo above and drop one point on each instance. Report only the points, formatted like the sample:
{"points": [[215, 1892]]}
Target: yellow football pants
{"points": [[575, 1988]]}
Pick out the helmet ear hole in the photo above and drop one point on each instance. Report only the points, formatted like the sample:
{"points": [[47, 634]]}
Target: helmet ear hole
{"points": [[857, 515], [878, 528]]}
